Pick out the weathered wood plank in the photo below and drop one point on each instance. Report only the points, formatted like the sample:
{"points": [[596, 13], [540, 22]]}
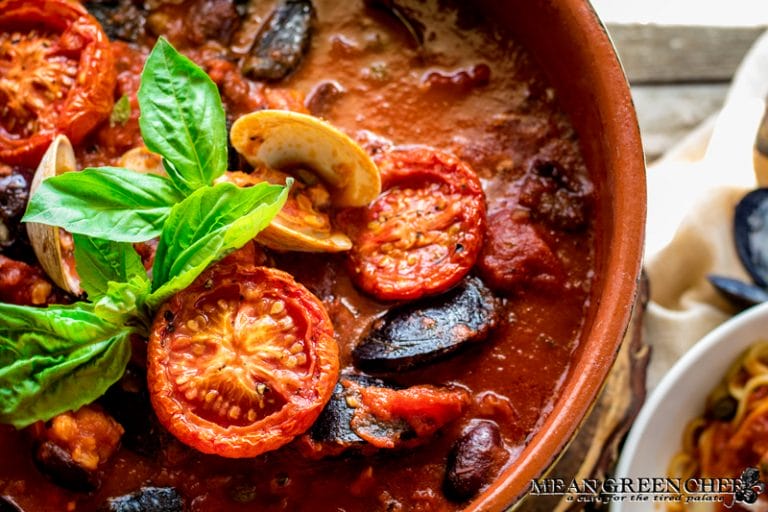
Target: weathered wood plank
{"points": [[671, 53], [667, 113]]}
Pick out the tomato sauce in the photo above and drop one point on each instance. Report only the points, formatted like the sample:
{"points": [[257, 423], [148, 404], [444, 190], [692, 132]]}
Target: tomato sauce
{"points": [[474, 92]]}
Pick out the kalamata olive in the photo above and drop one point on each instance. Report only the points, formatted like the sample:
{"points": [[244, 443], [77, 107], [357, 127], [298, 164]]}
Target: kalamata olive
{"points": [[473, 461], [280, 46], [322, 97], [57, 464], [429, 329], [8, 505], [750, 234], [146, 499], [742, 295]]}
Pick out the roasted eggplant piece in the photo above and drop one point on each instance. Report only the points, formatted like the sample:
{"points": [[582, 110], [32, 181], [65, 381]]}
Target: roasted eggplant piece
{"points": [[429, 329], [146, 499], [742, 295], [750, 233], [280, 45], [473, 461], [333, 424], [365, 415]]}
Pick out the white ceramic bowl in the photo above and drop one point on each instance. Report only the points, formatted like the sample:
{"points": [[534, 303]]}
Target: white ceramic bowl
{"points": [[680, 397]]}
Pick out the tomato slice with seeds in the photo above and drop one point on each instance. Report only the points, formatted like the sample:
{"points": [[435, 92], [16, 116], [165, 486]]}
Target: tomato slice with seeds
{"points": [[422, 235], [56, 76], [242, 361]]}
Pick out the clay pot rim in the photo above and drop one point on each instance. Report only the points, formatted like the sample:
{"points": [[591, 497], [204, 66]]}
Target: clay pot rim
{"points": [[623, 264]]}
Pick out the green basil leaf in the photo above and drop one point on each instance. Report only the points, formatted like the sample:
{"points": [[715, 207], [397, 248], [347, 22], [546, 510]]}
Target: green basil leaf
{"points": [[73, 324], [56, 359], [107, 202], [39, 386], [182, 118], [99, 261], [123, 303], [205, 227]]}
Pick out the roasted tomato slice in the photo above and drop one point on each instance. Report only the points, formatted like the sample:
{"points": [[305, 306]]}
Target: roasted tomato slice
{"points": [[56, 76], [242, 361], [424, 232]]}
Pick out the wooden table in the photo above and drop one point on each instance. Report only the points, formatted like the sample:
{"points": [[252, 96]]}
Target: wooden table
{"points": [[679, 75]]}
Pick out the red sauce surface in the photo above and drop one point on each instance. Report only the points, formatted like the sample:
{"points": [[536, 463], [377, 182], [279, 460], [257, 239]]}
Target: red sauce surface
{"points": [[473, 92]]}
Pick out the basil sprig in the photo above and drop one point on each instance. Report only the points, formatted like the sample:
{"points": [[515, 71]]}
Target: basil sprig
{"points": [[59, 358]]}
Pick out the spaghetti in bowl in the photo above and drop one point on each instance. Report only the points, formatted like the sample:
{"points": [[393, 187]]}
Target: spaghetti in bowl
{"points": [[695, 427]]}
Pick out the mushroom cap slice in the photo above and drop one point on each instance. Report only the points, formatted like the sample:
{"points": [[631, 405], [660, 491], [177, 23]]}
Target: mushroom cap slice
{"points": [[280, 139], [47, 240]]}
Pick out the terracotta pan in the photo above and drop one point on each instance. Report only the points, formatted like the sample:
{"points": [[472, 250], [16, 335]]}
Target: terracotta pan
{"points": [[571, 46]]}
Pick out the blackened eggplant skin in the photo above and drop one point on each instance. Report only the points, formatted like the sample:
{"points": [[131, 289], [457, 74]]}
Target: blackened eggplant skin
{"points": [[473, 459], [333, 424], [8, 505], [281, 45], [424, 331], [57, 464], [146, 499]]}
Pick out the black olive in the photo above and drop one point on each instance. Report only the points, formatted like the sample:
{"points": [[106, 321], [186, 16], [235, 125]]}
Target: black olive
{"points": [[723, 409]]}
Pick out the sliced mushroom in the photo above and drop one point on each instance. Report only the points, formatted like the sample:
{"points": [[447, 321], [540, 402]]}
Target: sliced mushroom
{"points": [[275, 141], [47, 241]]}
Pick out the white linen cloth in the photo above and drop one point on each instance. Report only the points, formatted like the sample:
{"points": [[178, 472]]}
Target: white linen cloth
{"points": [[692, 192]]}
